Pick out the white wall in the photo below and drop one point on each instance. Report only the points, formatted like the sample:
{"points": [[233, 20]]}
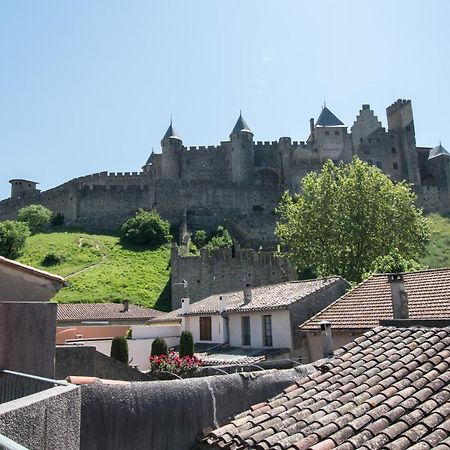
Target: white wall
{"points": [[192, 324], [154, 331], [281, 329]]}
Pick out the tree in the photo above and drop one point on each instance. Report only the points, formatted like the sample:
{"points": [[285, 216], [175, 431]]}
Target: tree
{"points": [[159, 347], [221, 238], [119, 349], [393, 263], [346, 217], [12, 238], [35, 216], [146, 228], [186, 344], [200, 238]]}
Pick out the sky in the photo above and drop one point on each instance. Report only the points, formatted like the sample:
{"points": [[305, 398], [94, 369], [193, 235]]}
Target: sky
{"points": [[90, 86]]}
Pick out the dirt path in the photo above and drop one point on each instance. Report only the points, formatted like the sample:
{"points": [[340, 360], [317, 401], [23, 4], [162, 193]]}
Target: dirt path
{"points": [[97, 247]]}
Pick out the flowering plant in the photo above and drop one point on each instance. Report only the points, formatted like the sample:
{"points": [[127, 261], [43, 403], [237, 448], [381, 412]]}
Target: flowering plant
{"points": [[184, 367]]}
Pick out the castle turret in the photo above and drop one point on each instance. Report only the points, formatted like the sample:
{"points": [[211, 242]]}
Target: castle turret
{"points": [[242, 152], [172, 147], [20, 188]]}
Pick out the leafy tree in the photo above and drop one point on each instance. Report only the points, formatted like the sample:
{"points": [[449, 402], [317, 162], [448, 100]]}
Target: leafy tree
{"points": [[12, 238], [200, 238], [186, 344], [35, 216], [346, 217], [146, 228], [119, 349], [159, 347], [393, 263], [221, 238]]}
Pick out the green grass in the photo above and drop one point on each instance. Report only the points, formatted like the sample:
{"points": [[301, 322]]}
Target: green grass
{"points": [[439, 248], [137, 274]]}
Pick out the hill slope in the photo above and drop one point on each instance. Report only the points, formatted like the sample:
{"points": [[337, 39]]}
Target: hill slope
{"points": [[99, 268], [439, 248]]}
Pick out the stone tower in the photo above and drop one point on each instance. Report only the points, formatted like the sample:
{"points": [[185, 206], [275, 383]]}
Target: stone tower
{"points": [[242, 152], [172, 147], [20, 188]]}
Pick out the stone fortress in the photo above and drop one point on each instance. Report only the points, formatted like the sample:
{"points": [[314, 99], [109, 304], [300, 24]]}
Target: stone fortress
{"points": [[239, 182]]}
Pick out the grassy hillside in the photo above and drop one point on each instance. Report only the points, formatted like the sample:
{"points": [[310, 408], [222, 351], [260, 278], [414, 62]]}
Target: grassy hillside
{"points": [[439, 248], [99, 268]]}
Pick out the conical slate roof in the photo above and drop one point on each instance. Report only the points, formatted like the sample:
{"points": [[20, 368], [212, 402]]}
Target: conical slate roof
{"points": [[328, 119], [171, 133], [241, 125], [438, 151]]}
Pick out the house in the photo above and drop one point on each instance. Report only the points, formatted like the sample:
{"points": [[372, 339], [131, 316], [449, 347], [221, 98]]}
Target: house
{"points": [[359, 310], [19, 282], [389, 388], [261, 317]]}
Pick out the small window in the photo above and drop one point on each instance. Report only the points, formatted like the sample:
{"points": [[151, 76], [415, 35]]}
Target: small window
{"points": [[379, 164], [327, 133], [394, 165], [378, 140], [408, 128], [361, 140], [267, 331], [370, 140], [393, 150], [336, 133], [245, 327], [205, 328]]}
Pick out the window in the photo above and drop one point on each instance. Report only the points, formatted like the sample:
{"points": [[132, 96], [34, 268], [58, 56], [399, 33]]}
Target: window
{"points": [[267, 331], [205, 328], [370, 140], [245, 327], [336, 133], [393, 150], [394, 165], [327, 133], [361, 140], [379, 164]]}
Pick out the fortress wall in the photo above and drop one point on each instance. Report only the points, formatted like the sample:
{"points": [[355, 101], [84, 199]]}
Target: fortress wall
{"points": [[206, 163], [224, 272], [433, 198]]}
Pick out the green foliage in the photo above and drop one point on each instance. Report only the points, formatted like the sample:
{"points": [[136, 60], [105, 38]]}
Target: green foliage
{"points": [[146, 228], [190, 250], [393, 263], [35, 216], [186, 344], [119, 349], [100, 269], [221, 238], [57, 220], [13, 236], [159, 347], [53, 258], [200, 238], [348, 216], [438, 252]]}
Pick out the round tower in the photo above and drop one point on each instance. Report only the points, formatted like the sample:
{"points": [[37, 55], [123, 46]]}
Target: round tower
{"points": [[20, 188], [242, 152], [172, 146]]}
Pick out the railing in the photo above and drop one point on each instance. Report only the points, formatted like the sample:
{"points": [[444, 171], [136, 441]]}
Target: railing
{"points": [[8, 444], [14, 385]]}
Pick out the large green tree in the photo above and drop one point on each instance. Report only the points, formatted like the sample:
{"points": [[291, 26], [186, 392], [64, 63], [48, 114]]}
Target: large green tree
{"points": [[35, 216], [12, 238], [346, 217]]}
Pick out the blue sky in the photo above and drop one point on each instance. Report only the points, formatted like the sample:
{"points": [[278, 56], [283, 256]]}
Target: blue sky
{"points": [[90, 85]]}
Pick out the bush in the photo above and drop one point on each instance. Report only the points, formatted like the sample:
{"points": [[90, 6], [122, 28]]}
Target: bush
{"points": [[119, 349], [200, 238], [146, 228], [12, 238], [220, 239], [159, 347], [163, 366], [57, 220], [53, 258], [186, 344], [35, 216]]}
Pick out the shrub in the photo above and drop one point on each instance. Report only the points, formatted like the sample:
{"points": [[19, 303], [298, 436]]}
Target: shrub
{"points": [[159, 347], [186, 344], [162, 366], [53, 258], [146, 228], [12, 238], [119, 349], [220, 239], [35, 216], [200, 238], [57, 220]]}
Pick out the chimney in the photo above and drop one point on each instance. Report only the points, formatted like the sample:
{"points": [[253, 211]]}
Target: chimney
{"points": [[222, 304], [399, 296], [247, 293], [126, 305], [327, 339], [184, 305], [311, 128]]}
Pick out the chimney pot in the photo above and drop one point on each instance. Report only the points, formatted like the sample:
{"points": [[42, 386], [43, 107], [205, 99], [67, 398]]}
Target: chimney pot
{"points": [[126, 305], [327, 338], [247, 293], [399, 296], [185, 305]]}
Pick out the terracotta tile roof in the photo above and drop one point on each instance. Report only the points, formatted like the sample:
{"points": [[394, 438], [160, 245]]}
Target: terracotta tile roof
{"points": [[389, 388], [274, 296], [103, 311], [365, 305], [32, 270]]}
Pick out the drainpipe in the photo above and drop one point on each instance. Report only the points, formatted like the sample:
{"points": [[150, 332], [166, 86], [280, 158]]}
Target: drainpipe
{"points": [[225, 317], [327, 339], [399, 296]]}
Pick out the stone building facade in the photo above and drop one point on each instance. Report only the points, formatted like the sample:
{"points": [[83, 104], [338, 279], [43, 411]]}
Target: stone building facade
{"points": [[239, 182]]}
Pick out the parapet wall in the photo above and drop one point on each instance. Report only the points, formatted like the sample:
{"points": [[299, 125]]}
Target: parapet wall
{"points": [[225, 271]]}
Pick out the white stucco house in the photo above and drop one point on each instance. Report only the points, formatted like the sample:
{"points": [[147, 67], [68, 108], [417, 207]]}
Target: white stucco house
{"points": [[261, 317]]}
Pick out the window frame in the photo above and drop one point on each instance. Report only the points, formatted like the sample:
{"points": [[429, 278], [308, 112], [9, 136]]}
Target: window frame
{"points": [[267, 332]]}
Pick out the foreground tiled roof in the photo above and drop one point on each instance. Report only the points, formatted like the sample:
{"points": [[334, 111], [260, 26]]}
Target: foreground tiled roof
{"points": [[363, 307], [103, 311], [271, 297], [31, 270], [390, 389]]}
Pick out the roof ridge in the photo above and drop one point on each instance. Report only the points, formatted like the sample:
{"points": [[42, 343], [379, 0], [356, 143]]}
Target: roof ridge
{"points": [[411, 272]]}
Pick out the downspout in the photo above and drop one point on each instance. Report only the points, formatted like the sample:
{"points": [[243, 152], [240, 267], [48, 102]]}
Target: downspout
{"points": [[226, 330]]}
